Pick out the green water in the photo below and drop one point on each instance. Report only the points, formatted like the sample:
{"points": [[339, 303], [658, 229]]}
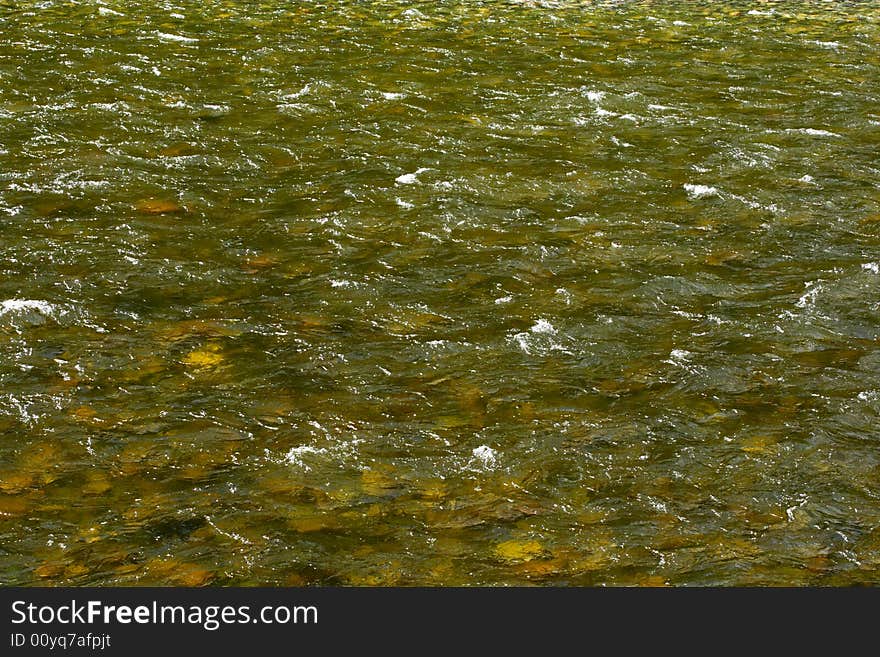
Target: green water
{"points": [[439, 293]]}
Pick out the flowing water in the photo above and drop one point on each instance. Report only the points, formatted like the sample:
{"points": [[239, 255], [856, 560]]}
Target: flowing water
{"points": [[442, 293]]}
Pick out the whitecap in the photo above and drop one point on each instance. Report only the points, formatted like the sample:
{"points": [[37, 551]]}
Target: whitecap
{"points": [[410, 178], [484, 456], [680, 358], [700, 191], [165, 36], [830, 45], [543, 326], [295, 455], [297, 94], [542, 336], [14, 305], [522, 339], [813, 132]]}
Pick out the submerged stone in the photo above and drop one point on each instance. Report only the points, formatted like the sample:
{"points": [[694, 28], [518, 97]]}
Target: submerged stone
{"points": [[515, 550], [158, 206], [205, 357]]}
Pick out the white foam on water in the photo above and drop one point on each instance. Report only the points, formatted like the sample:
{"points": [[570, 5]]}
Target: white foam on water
{"points": [[595, 96], [410, 178], [700, 191], [813, 132], [392, 95], [31, 409], [687, 315], [678, 357], [437, 344], [808, 299], [484, 456], [830, 45], [106, 11], [165, 36], [528, 341], [297, 109], [228, 534], [522, 339], [873, 267], [15, 305], [565, 294], [543, 326], [295, 455], [297, 94]]}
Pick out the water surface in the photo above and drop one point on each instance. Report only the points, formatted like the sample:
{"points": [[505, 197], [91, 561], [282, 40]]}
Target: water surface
{"points": [[401, 293]]}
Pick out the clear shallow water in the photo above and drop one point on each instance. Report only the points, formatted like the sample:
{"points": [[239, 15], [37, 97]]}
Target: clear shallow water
{"points": [[439, 293]]}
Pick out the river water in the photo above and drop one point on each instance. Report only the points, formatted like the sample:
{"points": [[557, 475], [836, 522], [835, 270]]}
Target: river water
{"points": [[442, 293]]}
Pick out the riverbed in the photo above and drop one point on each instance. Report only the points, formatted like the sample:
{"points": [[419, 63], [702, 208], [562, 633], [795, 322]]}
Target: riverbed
{"points": [[453, 293]]}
